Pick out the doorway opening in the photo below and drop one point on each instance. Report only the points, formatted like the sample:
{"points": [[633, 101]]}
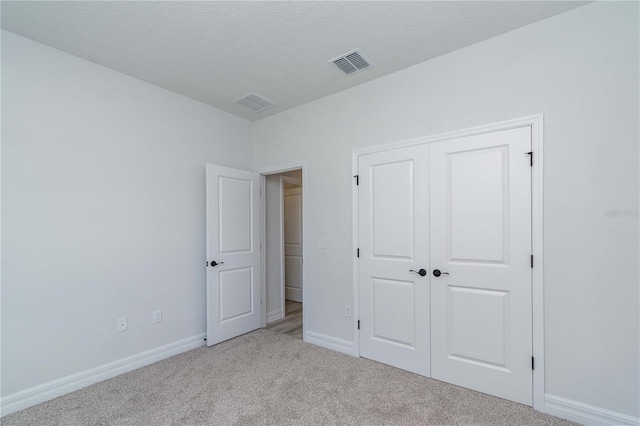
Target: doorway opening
{"points": [[283, 253]]}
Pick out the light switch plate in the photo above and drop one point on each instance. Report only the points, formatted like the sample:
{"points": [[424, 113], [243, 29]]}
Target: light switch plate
{"points": [[322, 243]]}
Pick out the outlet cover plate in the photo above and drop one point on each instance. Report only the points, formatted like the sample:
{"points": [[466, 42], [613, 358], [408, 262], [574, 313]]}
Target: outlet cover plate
{"points": [[122, 324]]}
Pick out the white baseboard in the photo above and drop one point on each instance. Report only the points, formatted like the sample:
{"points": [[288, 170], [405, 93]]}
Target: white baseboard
{"points": [[55, 388], [293, 293], [585, 413], [340, 345], [275, 316]]}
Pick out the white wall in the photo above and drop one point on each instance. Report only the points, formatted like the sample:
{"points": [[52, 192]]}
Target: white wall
{"points": [[102, 212], [580, 69]]}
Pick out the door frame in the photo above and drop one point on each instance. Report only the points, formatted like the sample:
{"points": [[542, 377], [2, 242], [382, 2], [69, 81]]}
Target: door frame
{"points": [[537, 281], [263, 253]]}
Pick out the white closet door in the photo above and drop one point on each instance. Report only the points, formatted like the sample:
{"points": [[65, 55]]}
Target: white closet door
{"points": [[393, 239], [481, 243]]}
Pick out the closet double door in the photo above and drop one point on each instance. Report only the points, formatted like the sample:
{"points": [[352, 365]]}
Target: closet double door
{"points": [[444, 266]]}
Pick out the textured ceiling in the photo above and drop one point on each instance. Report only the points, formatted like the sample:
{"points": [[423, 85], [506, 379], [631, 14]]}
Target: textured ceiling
{"points": [[216, 52]]}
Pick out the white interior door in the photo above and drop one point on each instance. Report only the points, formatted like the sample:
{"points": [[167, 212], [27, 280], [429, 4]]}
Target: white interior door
{"points": [[394, 238], [292, 201], [481, 238], [233, 253]]}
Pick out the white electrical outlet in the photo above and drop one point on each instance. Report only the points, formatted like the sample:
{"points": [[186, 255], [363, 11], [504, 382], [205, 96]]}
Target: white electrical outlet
{"points": [[347, 311], [122, 324], [157, 316]]}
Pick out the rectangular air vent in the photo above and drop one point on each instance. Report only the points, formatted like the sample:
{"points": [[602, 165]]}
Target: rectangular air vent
{"points": [[255, 102], [350, 62]]}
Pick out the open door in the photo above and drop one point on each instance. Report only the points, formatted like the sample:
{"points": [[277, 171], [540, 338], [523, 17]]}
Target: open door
{"points": [[233, 253], [292, 212]]}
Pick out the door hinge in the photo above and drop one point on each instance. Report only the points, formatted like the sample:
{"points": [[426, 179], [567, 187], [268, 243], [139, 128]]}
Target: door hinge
{"points": [[357, 252], [530, 154], [532, 261], [533, 363], [357, 179], [358, 324]]}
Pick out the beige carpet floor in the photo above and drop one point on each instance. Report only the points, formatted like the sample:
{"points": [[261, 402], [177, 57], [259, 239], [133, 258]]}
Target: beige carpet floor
{"points": [[268, 378]]}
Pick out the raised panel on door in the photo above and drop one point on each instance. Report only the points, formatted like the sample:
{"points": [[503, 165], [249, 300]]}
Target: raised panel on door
{"points": [[293, 270], [233, 254], [393, 239], [293, 278], [293, 221], [478, 325], [235, 205], [236, 294], [478, 202], [481, 237], [394, 299]]}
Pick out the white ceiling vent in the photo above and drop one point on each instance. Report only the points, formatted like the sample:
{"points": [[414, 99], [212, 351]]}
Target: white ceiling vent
{"points": [[351, 62], [255, 102]]}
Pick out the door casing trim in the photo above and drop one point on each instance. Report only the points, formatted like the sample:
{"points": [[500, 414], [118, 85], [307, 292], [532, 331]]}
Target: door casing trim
{"points": [[535, 122]]}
